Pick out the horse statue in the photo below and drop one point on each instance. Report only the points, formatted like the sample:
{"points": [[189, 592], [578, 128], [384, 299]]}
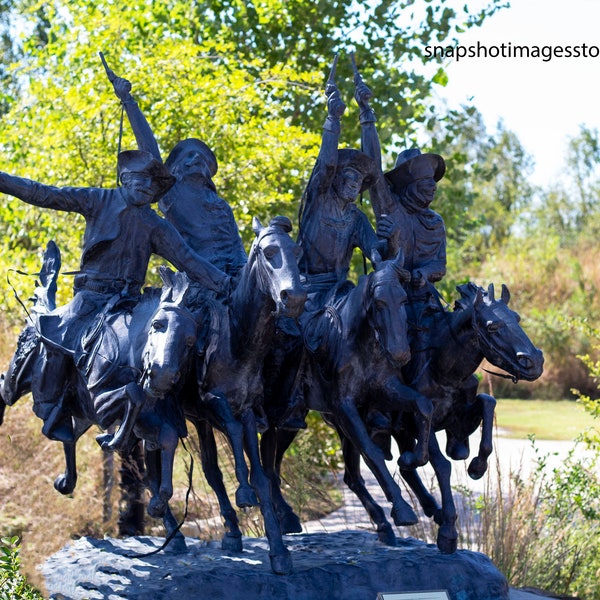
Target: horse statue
{"points": [[480, 326], [354, 350], [124, 353], [226, 389]]}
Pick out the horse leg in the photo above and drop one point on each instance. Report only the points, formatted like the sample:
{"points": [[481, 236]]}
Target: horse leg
{"points": [[353, 479], [244, 495], [167, 441], [401, 398], [273, 444], [153, 471], [478, 466], [447, 538], [353, 428], [232, 539], [428, 503], [281, 561], [65, 483], [132, 488]]}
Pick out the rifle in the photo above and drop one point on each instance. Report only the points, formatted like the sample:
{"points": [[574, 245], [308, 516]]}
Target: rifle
{"points": [[357, 78], [331, 79], [111, 77], [109, 72]]}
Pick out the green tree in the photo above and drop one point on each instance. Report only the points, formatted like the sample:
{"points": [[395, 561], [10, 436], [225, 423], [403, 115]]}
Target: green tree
{"points": [[484, 191], [247, 77]]}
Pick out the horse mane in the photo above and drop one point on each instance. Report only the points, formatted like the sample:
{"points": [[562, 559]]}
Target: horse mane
{"points": [[467, 293]]}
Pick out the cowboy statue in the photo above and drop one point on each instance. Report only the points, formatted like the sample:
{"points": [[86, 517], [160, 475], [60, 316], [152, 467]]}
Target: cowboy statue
{"points": [[401, 201], [192, 205], [331, 225], [121, 233]]}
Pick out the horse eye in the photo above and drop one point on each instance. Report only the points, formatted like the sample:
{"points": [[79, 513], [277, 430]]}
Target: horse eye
{"points": [[190, 341], [270, 251], [492, 326], [158, 325]]}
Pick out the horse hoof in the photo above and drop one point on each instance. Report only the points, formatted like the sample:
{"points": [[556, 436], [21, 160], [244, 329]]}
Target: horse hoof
{"points": [[232, 543], [447, 539], [281, 564], [411, 460], [403, 514], [63, 485], [290, 523], [245, 497], [177, 545], [157, 507], [477, 468], [104, 440], [386, 535]]}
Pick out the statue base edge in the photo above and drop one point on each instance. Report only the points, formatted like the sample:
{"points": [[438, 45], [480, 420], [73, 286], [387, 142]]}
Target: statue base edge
{"points": [[348, 565]]}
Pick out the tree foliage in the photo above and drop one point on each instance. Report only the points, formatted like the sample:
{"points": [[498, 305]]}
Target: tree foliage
{"points": [[246, 77]]}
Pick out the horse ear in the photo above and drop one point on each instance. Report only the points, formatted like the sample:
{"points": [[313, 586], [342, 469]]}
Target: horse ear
{"points": [[180, 287], [403, 274], [376, 258], [257, 226], [167, 276], [491, 292], [505, 294], [478, 297]]}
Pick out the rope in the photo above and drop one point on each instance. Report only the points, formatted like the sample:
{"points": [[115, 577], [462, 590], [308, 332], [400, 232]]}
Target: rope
{"points": [[185, 513]]}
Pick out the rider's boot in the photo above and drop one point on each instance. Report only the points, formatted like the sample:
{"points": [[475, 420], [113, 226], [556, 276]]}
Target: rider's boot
{"points": [[294, 416], [58, 427], [121, 441]]}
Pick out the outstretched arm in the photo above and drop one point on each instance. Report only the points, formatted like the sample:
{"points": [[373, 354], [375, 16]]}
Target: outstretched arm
{"points": [[80, 200], [141, 128]]}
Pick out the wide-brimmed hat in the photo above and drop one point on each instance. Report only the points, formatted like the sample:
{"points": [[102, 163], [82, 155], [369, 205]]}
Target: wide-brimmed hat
{"points": [[412, 165], [140, 161], [197, 145], [359, 161]]}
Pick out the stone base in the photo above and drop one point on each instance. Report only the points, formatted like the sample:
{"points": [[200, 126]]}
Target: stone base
{"points": [[348, 565]]}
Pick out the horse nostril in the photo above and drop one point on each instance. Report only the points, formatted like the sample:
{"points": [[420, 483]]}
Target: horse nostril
{"points": [[524, 359], [284, 295]]}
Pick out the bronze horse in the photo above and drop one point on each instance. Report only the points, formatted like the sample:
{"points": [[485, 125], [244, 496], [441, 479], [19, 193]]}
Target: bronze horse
{"points": [[352, 362], [117, 358], [480, 326], [226, 390]]}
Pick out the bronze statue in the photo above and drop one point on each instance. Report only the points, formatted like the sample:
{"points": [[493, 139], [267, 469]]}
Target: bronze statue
{"points": [[122, 231], [254, 341], [192, 205]]}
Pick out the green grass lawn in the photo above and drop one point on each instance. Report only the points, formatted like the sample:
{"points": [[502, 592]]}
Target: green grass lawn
{"points": [[547, 419]]}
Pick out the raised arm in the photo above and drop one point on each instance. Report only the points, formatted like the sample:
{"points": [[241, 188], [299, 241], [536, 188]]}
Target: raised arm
{"points": [[141, 128], [327, 160], [379, 192]]}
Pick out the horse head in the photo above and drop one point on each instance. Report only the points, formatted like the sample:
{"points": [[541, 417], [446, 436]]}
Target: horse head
{"points": [[501, 338], [171, 337], [385, 305], [274, 260]]}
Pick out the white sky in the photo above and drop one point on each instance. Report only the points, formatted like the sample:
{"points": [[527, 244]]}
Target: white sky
{"points": [[542, 102]]}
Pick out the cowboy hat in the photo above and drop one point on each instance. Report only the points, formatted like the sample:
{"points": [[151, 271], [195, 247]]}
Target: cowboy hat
{"points": [[412, 165]]}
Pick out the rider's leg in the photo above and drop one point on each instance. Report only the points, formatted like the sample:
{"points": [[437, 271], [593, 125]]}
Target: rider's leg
{"points": [[17, 380], [133, 396], [49, 390]]}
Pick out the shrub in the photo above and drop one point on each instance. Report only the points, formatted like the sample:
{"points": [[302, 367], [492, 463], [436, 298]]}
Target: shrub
{"points": [[12, 583]]}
